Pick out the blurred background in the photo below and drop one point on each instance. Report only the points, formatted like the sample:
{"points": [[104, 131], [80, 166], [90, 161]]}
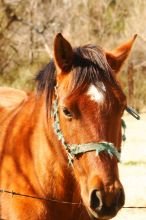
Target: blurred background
{"points": [[28, 28], [27, 31]]}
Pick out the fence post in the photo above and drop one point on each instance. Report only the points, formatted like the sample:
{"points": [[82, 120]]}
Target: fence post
{"points": [[130, 77]]}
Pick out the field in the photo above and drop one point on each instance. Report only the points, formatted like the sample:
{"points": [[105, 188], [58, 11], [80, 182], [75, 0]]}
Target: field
{"points": [[133, 169]]}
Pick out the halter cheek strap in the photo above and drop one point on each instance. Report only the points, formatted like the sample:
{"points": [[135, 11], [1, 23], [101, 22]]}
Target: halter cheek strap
{"points": [[75, 149]]}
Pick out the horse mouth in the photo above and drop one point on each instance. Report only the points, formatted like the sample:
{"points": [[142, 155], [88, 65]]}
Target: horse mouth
{"points": [[104, 214]]}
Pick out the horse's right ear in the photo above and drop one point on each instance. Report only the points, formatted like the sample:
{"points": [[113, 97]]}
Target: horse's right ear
{"points": [[63, 54]]}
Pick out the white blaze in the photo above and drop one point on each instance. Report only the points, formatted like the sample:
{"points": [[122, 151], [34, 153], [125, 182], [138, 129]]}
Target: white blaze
{"points": [[96, 94]]}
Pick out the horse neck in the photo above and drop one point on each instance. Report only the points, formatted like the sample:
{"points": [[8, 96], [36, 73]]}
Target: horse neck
{"points": [[56, 179]]}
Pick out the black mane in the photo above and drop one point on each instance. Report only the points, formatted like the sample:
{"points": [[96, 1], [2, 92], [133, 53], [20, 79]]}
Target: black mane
{"points": [[89, 66], [46, 81]]}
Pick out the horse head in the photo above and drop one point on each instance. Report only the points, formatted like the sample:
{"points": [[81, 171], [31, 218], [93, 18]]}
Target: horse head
{"points": [[88, 105]]}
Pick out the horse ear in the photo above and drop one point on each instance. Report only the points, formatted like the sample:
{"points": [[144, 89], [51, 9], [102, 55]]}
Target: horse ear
{"points": [[63, 54], [117, 57]]}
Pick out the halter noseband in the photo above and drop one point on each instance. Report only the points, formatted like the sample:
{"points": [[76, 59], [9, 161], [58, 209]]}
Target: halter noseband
{"points": [[75, 149]]}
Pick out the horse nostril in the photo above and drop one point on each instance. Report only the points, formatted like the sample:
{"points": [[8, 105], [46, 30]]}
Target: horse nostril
{"points": [[95, 200]]}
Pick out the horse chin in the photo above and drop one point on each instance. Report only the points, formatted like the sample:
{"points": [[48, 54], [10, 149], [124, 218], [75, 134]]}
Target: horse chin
{"points": [[96, 216], [93, 215]]}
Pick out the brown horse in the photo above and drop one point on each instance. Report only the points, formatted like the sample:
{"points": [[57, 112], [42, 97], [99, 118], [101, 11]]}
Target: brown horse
{"points": [[59, 148]]}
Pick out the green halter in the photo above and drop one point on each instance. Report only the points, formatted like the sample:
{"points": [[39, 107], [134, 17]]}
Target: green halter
{"points": [[74, 149]]}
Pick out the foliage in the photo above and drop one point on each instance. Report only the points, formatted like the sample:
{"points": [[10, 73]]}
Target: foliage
{"points": [[27, 30]]}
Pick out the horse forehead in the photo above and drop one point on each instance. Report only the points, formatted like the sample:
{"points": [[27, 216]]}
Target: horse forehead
{"points": [[97, 94]]}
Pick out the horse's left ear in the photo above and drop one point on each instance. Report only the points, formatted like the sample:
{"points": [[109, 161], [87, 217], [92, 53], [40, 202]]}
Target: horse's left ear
{"points": [[117, 57], [63, 54]]}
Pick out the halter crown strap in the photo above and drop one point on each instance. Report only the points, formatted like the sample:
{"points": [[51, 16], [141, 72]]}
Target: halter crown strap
{"points": [[124, 130]]}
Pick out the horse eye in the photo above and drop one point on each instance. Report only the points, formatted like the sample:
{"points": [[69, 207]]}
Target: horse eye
{"points": [[67, 112]]}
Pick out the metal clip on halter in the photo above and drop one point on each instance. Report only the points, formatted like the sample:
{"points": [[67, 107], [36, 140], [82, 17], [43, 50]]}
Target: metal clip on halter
{"points": [[132, 112]]}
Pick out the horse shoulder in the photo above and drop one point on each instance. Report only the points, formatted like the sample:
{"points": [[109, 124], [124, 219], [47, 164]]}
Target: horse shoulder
{"points": [[10, 100]]}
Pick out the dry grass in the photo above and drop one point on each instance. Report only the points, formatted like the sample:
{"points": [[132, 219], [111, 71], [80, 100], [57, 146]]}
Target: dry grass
{"points": [[133, 169]]}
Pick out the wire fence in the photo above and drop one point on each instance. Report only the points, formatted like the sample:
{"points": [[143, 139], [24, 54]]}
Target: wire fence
{"points": [[58, 201]]}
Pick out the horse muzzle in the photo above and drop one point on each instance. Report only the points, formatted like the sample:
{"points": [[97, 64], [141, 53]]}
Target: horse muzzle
{"points": [[105, 205]]}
